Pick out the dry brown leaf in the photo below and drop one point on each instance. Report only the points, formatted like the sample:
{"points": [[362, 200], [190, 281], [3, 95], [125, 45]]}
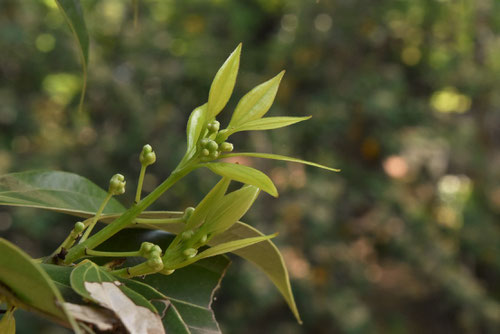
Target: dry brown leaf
{"points": [[137, 319], [103, 319]]}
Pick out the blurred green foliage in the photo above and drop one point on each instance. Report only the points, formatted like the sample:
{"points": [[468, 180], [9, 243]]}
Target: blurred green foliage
{"points": [[404, 97]]}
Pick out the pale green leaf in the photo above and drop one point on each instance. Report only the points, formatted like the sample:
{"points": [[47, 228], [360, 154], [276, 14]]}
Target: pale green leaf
{"points": [[243, 174], [278, 157], [73, 13], [27, 282], [8, 322], [207, 203], [230, 209], [267, 123], [195, 126], [226, 247], [256, 103], [223, 84], [55, 190]]}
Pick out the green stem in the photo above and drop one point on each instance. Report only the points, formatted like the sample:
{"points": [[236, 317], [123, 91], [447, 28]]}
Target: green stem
{"points": [[138, 270], [96, 218], [139, 185], [92, 252], [128, 216], [159, 221]]}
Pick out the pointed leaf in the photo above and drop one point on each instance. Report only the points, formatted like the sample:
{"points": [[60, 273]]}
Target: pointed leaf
{"points": [[223, 84], [195, 126], [73, 13], [278, 157], [207, 203], [28, 283], [8, 322], [55, 190], [244, 174], [267, 123], [230, 209], [256, 103], [264, 255], [226, 247]]}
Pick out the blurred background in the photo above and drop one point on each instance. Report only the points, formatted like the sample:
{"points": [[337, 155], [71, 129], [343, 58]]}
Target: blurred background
{"points": [[405, 99]]}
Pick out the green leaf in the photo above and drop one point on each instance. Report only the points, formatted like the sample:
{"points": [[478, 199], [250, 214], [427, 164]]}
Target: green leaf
{"points": [[278, 157], [8, 322], [243, 174], [190, 290], [267, 123], [25, 281], [195, 126], [264, 255], [73, 13], [223, 84], [54, 190], [256, 103], [207, 203], [230, 209], [89, 272]]}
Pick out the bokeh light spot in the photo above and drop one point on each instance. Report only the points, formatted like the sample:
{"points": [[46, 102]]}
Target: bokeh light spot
{"points": [[45, 42]]}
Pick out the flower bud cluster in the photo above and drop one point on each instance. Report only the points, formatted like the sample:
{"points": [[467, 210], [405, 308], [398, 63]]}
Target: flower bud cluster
{"points": [[153, 254], [147, 156], [117, 185], [211, 150]]}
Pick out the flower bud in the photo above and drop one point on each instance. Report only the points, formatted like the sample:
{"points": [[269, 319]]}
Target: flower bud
{"points": [[187, 213], [156, 263], [147, 156], [117, 185], [186, 235], [79, 227], [214, 154], [204, 142], [221, 136], [213, 126], [190, 252], [146, 247], [226, 147], [204, 238], [212, 146], [205, 152]]}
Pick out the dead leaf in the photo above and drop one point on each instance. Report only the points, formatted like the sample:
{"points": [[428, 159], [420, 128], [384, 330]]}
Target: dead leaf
{"points": [[103, 319], [137, 319]]}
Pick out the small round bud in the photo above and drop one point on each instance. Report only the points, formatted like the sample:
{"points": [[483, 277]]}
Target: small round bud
{"points": [[226, 147], [204, 142], [156, 248], [190, 252], [117, 185], [79, 227], [154, 253], [213, 126], [214, 154], [156, 263], [147, 156], [204, 238], [212, 146], [167, 271], [146, 247], [188, 213], [205, 152], [186, 235]]}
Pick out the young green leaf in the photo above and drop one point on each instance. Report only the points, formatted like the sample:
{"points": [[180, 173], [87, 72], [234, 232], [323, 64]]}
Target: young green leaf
{"points": [[230, 209], [256, 103], [57, 191], [195, 126], [225, 248], [27, 282], [278, 157], [267, 123], [208, 203], [223, 84], [73, 13], [244, 174]]}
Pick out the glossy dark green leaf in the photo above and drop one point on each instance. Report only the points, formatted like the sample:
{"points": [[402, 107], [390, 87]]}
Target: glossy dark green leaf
{"points": [[73, 13], [195, 126], [267, 123], [256, 103], [28, 283], [230, 209], [264, 255], [244, 174], [279, 157], [55, 190], [223, 84]]}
